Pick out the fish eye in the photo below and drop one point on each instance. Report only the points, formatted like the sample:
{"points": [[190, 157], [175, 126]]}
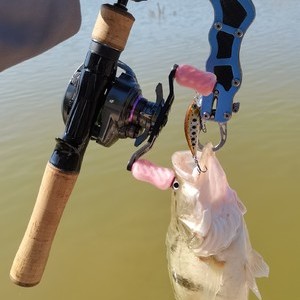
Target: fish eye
{"points": [[175, 185]]}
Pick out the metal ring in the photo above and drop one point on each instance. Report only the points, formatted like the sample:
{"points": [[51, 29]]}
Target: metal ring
{"points": [[223, 135]]}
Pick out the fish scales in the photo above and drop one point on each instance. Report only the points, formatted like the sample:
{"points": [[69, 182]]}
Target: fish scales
{"points": [[209, 253]]}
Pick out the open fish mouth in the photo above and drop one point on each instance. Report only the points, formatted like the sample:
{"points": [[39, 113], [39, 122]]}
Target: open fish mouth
{"points": [[184, 163]]}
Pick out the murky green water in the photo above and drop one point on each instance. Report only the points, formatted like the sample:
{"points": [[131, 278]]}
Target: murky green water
{"points": [[110, 243]]}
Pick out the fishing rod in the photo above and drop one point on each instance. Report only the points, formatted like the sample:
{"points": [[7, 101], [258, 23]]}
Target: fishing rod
{"points": [[100, 106]]}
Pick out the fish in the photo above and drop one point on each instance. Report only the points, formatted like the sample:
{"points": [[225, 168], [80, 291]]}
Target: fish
{"points": [[209, 252]]}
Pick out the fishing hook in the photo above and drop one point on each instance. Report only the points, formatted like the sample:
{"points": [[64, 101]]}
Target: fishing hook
{"points": [[198, 165]]}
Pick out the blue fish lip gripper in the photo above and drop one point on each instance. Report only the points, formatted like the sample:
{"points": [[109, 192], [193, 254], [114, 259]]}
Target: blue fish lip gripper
{"points": [[231, 21]]}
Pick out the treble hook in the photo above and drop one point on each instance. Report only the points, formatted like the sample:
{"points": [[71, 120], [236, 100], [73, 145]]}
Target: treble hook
{"points": [[198, 165]]}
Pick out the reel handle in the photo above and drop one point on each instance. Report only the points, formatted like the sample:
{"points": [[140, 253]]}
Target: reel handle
{"points": [[201, 81], [158, 176], [31, 258]]}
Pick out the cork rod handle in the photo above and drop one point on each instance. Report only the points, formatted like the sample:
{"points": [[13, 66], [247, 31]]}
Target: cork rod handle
{"points": [[31, 258], [112, 27]]}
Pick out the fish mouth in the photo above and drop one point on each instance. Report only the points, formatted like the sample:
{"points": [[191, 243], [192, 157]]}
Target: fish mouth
{"points": [[183, 164]]}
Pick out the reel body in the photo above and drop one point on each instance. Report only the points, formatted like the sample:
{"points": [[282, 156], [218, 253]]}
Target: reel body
{"points": [[124, 113]]}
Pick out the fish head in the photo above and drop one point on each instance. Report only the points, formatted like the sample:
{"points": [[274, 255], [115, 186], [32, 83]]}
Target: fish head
{"points": [[193, 215], [207, 210], [189, 181]]}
